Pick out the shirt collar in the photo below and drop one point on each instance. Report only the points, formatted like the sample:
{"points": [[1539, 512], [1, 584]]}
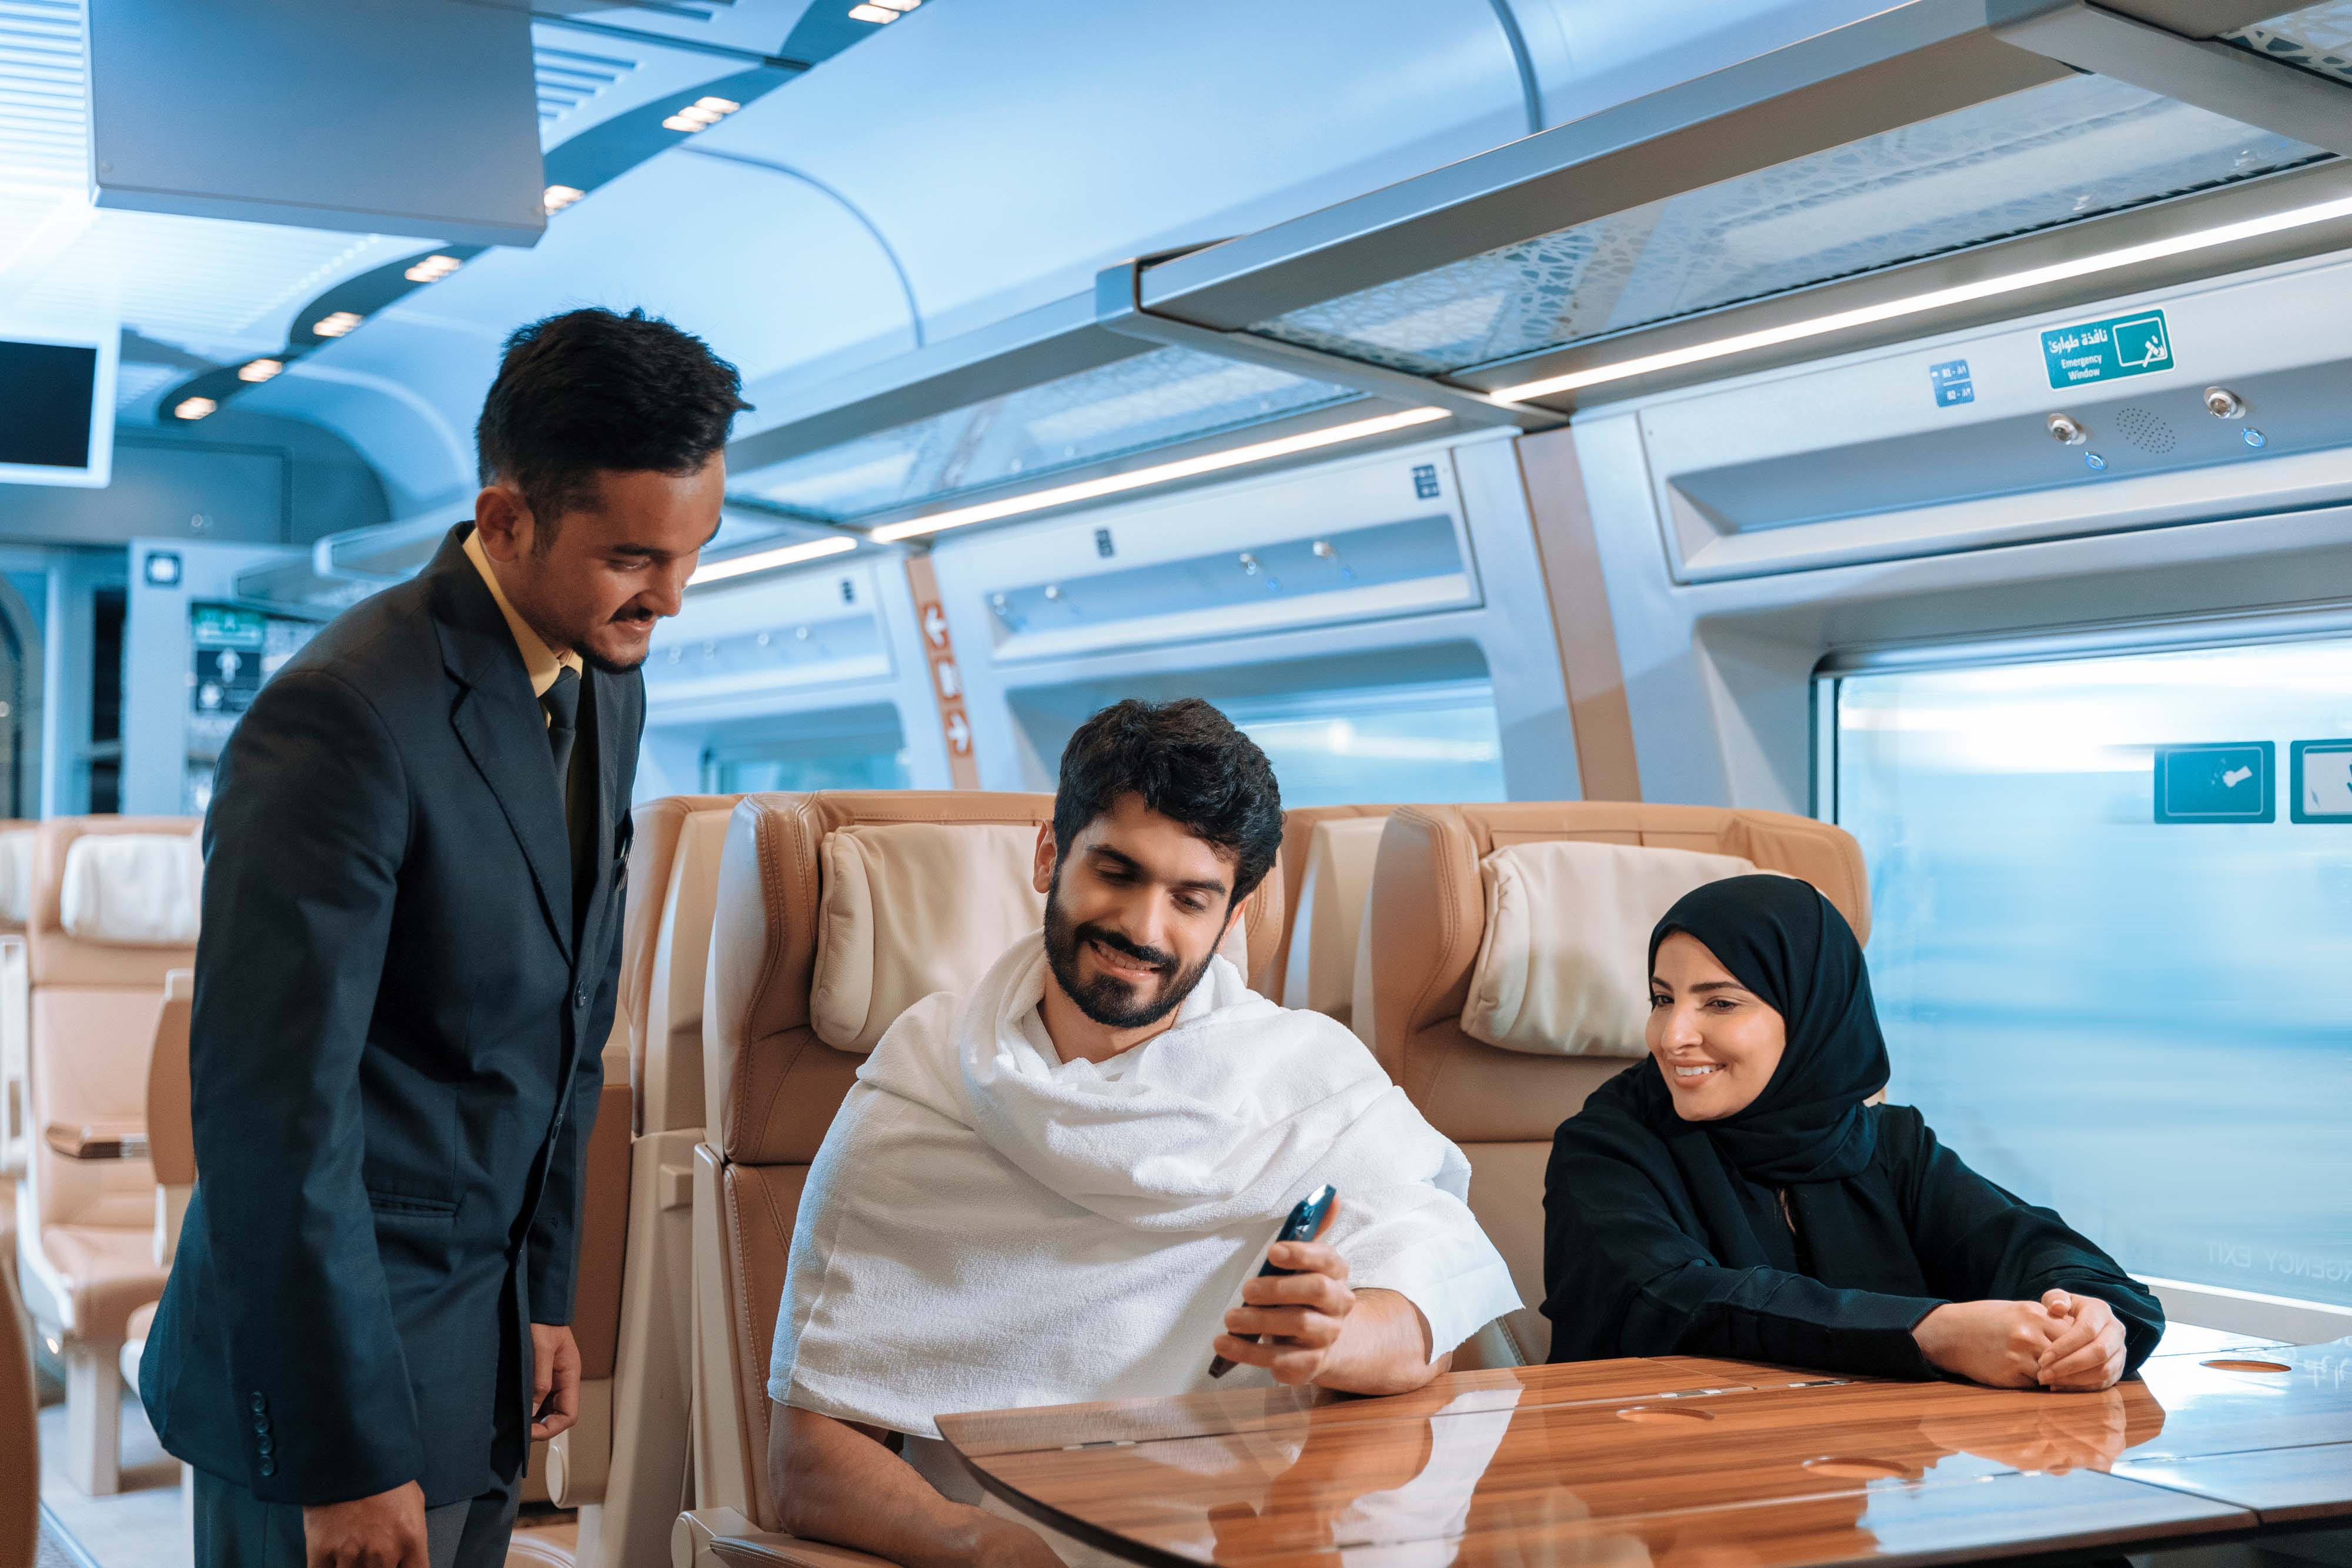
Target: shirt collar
{"points": [[540, 662]]}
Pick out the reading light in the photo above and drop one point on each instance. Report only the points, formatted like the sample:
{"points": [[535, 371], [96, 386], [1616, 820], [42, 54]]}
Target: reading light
{"points": [[899, 5], [1159, 474], [1916, 304], [194, 407], [724, 105], [259, 370], [336, 325], [763, 560], [558, 197], [872, 13], [680, 122], [432, 269]]}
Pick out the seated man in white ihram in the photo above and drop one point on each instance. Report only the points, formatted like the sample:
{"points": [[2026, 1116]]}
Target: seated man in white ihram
{"points": [[1058, 1187]]}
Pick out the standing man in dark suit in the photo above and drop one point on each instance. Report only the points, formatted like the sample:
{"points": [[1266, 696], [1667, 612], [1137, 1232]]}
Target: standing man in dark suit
{"points": [[414, 863]]}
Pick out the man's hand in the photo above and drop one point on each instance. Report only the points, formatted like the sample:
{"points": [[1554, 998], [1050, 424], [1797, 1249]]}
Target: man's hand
{"points": [[1998, 1344], [554, 1380], [1298, 1315], [386, 1530], [2087, 1353]]}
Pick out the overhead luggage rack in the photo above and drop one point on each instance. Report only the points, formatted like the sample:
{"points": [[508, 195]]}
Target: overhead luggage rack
{"points": [[1939, 165]]}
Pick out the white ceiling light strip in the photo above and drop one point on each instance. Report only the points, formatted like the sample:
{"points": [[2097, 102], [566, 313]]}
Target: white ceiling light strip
{"points": [[769, 560], [1159, 474], [1937, 299]]}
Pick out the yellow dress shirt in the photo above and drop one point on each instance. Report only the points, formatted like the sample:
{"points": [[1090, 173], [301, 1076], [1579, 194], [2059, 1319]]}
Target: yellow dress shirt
{"points": [[540, 662]]}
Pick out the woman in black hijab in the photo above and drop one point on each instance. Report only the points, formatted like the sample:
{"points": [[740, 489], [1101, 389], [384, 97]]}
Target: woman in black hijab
{"points": [[1733, 1196]]}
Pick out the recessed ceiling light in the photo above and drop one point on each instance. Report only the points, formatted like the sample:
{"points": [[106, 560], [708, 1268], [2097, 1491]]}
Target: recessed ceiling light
{"points": [[721, 105], [766, 559], [336, 325], [194, 407], [899, 5], [259, 370], [433, 269], [680, 122], [1159, 474], [562, 196], [872, 13]]}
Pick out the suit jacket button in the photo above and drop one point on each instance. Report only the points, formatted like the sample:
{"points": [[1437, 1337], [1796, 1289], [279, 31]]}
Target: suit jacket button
{"points": [[261, 1427], [259, 1404], [266, 1444], [580, 998], [269, 1468]]}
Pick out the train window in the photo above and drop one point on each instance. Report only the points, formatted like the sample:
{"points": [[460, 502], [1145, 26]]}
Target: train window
{"points": [[1433, 742], [858, 748], [1403, 724], [2146, 1022]]}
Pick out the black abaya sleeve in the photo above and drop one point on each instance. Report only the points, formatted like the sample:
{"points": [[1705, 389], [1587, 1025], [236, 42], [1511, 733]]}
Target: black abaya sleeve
{"points": [[1626, 1274], [1979, 1242]]}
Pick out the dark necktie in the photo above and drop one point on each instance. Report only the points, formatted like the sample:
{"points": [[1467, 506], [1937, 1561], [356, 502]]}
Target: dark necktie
{"points": [[562, 705]]}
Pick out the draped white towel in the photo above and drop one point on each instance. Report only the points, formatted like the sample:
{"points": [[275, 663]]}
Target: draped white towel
{"points": [[988, 1226]]}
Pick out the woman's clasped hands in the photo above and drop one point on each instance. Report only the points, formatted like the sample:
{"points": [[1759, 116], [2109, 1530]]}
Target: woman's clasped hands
{"points": [[2065, 1343]]}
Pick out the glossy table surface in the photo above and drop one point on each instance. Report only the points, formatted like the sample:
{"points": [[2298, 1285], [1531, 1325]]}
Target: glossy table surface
{"points": [[1682, 1460]]}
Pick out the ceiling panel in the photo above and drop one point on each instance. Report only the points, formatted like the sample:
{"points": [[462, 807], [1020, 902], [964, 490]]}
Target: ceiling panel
{"points": [[2317, 38], [2067, 151], [1146, 401]]}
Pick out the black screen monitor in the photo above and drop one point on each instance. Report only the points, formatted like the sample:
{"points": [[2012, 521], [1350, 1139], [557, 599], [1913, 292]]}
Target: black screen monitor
{"points": [[55, 426]]}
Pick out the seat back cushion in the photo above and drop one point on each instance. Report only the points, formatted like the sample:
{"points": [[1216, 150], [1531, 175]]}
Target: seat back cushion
{"points": [[1563, 968], [132, 890]]}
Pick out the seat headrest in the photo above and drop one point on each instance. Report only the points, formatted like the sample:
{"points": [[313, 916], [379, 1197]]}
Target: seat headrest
{"points": [[16, 874], [134, 906], [815, 942], [1562, 969], [1427, 923], [134, 890]]}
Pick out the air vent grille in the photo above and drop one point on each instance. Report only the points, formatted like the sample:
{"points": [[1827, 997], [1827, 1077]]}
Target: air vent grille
{"points": [[2144, 430]]}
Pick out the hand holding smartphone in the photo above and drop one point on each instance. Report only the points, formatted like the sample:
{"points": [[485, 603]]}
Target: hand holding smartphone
{"points": [[1307, 1217]]}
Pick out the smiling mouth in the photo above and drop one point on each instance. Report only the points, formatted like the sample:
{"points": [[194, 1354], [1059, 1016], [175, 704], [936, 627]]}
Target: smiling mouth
{"points": [[1125, 966], [1698, 1074]]}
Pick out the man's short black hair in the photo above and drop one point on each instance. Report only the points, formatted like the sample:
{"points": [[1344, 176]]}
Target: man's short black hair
{"points": [[1189, 763], [594, 392]]}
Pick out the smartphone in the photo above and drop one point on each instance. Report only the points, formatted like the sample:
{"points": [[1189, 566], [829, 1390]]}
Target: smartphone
{"points": [[1306, 1219]]}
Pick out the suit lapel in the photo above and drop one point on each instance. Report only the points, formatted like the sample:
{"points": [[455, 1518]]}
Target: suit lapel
{"points": [[502, 726]]}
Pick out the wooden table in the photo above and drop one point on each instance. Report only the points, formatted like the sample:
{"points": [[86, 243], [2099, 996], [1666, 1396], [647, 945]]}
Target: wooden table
{"points": [[1675, 1460]]}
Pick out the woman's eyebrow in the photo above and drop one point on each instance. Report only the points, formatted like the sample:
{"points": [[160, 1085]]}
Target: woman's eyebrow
{"points": [[1719, 985]]}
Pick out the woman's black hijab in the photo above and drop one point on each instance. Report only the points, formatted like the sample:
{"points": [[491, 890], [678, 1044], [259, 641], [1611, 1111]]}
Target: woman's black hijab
{"points": [[1782, 940], [1789, 1182]]}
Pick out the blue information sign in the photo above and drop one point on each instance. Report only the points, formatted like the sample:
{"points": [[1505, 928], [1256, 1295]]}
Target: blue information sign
{"points": [[2229, 783], [1949, 382], [2138, 345]]}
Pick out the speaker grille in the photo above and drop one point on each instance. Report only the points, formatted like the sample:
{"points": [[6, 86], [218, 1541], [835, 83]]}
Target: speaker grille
{"points": [[2144, 430]]}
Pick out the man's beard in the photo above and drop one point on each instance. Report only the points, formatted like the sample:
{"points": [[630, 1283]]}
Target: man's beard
{"points": [[599, 663], [1108, 999]]}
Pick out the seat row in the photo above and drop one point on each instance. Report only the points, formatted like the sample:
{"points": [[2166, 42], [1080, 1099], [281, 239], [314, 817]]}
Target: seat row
{"points": [[773, 937], [1487, 954]]}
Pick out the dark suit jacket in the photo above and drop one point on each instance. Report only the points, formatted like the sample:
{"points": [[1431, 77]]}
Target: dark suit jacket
{"points": [[394, 1053]]}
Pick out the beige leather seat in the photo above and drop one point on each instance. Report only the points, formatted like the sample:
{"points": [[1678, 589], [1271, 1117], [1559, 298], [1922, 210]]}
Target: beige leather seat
{"points": [[915, 892], [20, 1440], [15, 905], [170, 1144], [114, 912], [625, 1465], [1427, 924]]}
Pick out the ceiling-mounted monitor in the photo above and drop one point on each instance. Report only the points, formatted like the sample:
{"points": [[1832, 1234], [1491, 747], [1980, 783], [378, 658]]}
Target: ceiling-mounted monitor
{"points": [[56, 407]]}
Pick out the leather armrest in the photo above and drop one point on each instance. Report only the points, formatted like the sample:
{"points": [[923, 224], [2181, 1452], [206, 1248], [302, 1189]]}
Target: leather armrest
{"points": [[100, 1140], [723, 1536]]}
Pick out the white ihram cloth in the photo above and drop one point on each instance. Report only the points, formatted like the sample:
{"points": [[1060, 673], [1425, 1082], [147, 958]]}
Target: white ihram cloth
{"points": [[988, 1226]]}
